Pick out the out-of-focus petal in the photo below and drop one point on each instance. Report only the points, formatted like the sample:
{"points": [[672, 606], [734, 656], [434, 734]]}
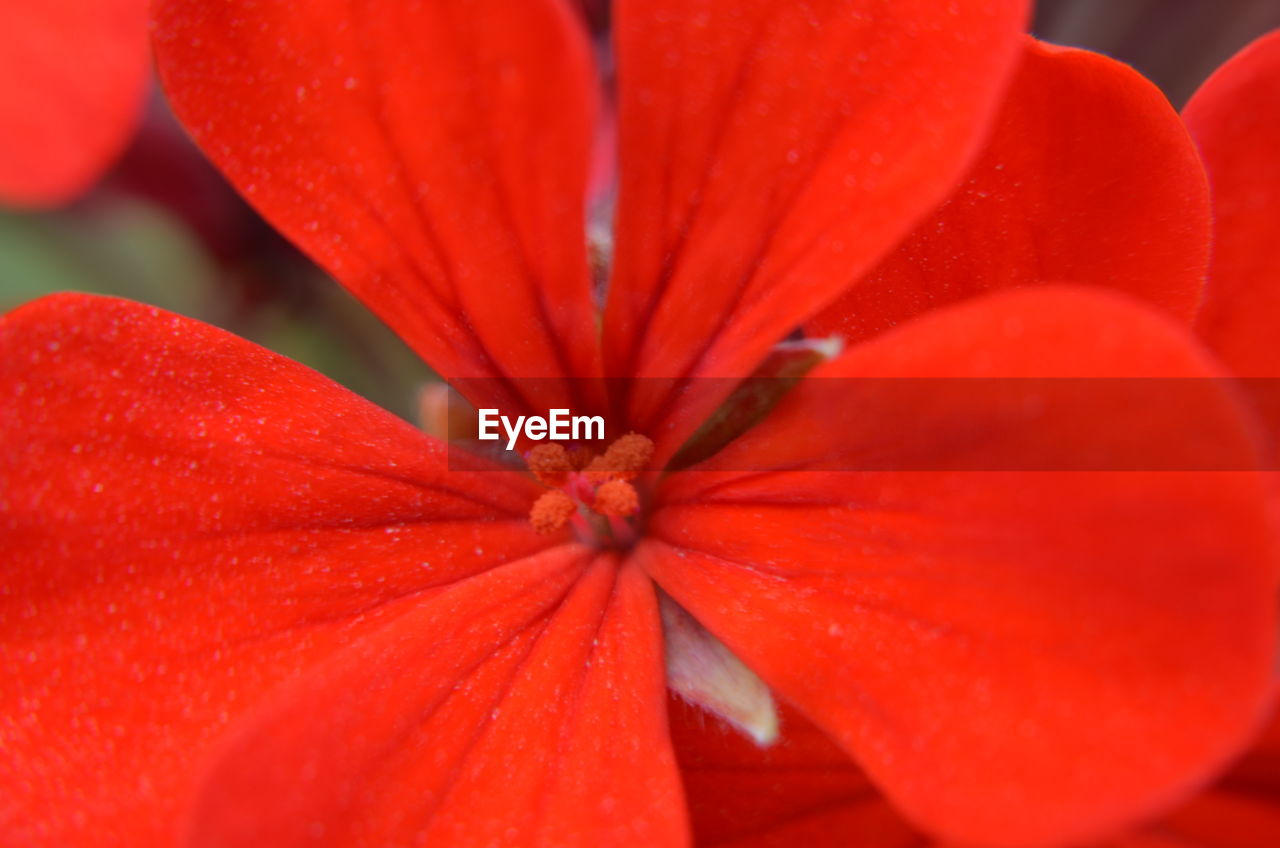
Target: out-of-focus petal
{"points": [[1241, 810], [505, 710], [803, 790], [187, 520], [1013, 657], [432, 156], [74, 75], [771, 153], [1235, 118], [1214, 819], [1090, 176]]}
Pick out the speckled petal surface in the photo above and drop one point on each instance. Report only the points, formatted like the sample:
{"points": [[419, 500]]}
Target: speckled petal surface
{"points": [[1017, 657], [190, 520]]}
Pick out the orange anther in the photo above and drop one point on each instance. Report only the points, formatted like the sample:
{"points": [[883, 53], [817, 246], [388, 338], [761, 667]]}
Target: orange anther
{"points": [[630, 454], [550, 463], [599, 470], [551, 511], [624, 459], [617, 498]]}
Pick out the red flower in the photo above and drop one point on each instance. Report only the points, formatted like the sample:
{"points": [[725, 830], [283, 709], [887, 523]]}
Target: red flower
{"points": [[74, 75], [241, 606], [804, 790]]}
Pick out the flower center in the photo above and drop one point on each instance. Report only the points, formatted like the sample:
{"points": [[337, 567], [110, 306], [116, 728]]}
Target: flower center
{"points": [[593, 493]]}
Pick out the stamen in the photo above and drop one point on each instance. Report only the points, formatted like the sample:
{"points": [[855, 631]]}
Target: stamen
{"points": [[552, 511], [624, 459], [592, 492], [598, 470], [550, 463], [617, 499], [631, 453]]}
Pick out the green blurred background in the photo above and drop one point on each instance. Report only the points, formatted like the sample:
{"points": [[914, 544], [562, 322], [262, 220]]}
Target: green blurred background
{"points": [[165, 229]]}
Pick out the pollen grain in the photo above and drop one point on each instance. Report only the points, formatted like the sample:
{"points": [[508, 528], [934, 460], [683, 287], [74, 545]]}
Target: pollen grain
{"points": [[552, 511], [623, 460], [617, 499], [594, 493], [550, 463]]}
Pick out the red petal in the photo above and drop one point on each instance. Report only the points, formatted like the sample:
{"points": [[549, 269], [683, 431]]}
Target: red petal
{"points": [[1235, 118], [801, 791], [1090, 177], [1241, 811], [483, 715], [1258, 772], [1215, 819], [74, 77], [771, 153], [187, 520], [1013, 657], [805, 790], [432, 156]]}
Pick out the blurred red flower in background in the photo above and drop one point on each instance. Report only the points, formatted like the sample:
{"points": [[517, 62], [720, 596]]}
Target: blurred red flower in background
{"points": [[74, 77], [242, 606]]}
